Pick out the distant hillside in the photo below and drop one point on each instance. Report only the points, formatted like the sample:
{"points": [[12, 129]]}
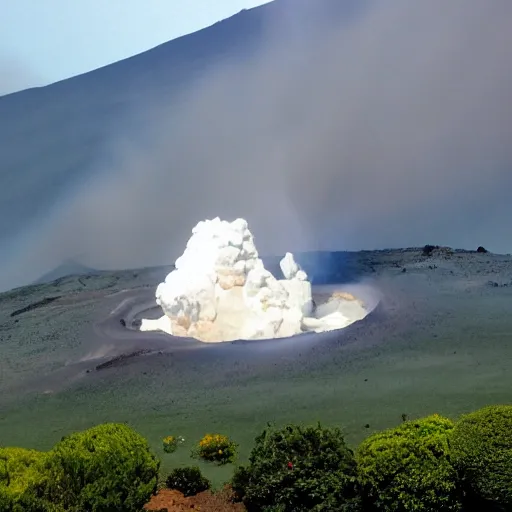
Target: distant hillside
{"points": [[51, 136], [327, 124], [67, 268]]}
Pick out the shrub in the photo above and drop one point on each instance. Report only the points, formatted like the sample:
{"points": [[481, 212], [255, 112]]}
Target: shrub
{"points": [[408, 468], [171, 443], [21, 472], [106, 468], [296, 469], [216, 448], [189, 481], [429, 249], [481, 447]]}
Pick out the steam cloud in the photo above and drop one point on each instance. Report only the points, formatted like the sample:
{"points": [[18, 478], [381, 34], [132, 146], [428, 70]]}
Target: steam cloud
{"points": [[392, 131]]}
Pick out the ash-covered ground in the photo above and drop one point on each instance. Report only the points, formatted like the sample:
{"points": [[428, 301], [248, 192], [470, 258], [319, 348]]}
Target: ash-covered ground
{"points": [[440, 340]]}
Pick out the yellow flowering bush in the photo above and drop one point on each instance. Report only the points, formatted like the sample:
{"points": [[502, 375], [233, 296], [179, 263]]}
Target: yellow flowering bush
{"points": [[216, 448], [171, 443]]}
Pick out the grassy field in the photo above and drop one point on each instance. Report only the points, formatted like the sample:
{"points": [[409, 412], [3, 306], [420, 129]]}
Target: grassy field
{"points": [[440, 342]]}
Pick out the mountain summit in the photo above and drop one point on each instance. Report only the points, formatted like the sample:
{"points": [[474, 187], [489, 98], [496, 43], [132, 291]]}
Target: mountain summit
{"points": [[327, 124]]}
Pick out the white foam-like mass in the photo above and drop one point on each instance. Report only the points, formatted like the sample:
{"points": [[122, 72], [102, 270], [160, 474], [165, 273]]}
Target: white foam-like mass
{"points": [[221, 291]]}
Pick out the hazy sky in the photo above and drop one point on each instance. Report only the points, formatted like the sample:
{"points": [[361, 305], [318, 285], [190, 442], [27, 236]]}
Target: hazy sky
{"points": [[46, 41]]}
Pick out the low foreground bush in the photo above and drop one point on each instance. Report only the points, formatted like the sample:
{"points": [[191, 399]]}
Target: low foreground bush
{"points": [[171, 443], [188, 481], [426, 465], [481, 447], [21, 474], [408, 468], [106, 468], [298, 469], [216, 448]]}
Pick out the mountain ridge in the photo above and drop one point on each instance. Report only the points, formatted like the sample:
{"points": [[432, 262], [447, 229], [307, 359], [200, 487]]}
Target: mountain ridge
{"points": [[73, 117], [348, 121]]}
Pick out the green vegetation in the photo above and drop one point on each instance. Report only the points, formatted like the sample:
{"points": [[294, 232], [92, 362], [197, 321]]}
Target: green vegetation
{"points": [[216, 448], [105, 468], [430, 464], [108, 467], [21, 473], [189, 481], [453, 367], [408, 468], [297, 469], [171, 443], [481, 449]]}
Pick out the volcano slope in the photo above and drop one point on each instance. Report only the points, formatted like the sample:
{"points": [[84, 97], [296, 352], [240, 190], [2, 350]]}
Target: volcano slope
{"points": [[440, 340]]}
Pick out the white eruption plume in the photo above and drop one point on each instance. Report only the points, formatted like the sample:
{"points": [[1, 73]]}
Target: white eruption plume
{"points": [[221, 291]]}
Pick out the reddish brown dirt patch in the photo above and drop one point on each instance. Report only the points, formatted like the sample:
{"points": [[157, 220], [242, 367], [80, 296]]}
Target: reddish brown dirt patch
{"points": [[174, 501]]}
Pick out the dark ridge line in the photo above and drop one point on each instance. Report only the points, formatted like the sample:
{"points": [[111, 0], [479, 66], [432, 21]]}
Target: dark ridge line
{"points": [[121, 358], [35, 305]]}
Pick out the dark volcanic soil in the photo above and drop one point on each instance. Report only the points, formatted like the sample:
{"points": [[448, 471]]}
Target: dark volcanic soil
{"points": [[439, 341]]}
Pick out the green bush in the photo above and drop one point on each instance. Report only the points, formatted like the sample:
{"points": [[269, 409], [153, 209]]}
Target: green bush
{"points": [[21, 472], [189, 481], [408, 468], [297, 469], [216, 448], [481, 447], [171, 443], [106, 468]]}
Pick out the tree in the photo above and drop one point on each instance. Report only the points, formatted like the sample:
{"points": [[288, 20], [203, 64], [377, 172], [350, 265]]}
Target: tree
{"points": [[481, 446], [408, 468], [297, 469]]}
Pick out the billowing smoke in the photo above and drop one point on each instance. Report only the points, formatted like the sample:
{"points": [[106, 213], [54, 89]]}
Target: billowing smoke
{"points": [[393, 130]]}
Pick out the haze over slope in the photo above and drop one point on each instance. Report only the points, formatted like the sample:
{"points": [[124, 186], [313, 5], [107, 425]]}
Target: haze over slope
{"points": [[328, 124]]}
